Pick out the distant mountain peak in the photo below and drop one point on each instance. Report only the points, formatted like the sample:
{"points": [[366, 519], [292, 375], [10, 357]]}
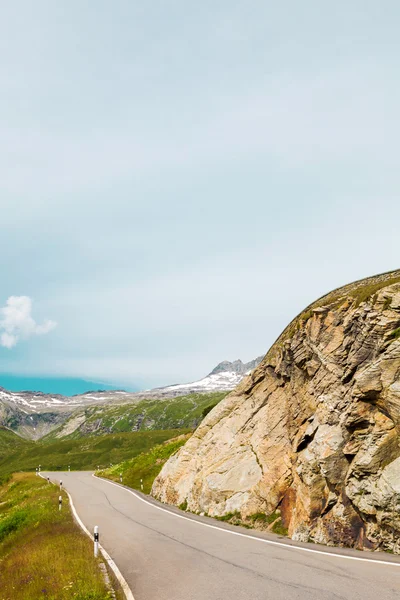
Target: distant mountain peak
{"points": [[236, 366]]}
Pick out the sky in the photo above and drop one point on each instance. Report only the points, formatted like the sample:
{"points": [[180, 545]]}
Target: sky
{"points": [[179, 179]]}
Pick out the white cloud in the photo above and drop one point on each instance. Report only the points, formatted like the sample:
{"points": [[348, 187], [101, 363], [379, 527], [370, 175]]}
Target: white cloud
{"points": [[8, 340], [16, 321]]}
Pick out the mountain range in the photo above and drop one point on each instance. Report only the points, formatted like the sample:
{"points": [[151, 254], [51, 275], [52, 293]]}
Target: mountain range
{"points": [[36, 414]]}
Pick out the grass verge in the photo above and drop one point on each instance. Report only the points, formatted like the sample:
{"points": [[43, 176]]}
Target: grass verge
{"points": [[146, 466], [43, 553]]}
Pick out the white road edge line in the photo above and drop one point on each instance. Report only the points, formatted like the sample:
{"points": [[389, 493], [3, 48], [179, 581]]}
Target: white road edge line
{"points": [[125, 587], [250, 537]]}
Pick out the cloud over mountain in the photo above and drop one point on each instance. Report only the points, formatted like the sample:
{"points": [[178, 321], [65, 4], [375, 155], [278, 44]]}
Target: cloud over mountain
{"points": [[16, 321]]}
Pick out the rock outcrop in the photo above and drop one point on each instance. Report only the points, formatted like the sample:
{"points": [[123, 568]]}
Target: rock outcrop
{"points": [[237, 366], [313, 431]]}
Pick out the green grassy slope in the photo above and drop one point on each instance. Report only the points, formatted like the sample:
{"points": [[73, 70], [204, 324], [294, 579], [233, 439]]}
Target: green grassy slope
{"points": [[85, 453], [43, 553], [11, 442], [149, 414], [145, 466]]}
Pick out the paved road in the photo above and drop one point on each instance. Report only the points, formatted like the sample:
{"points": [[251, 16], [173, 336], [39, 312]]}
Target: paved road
{"points": [[165, 557]]}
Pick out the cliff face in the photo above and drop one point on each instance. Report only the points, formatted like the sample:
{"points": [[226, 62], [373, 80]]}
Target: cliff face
{"points": [[313, 430]]}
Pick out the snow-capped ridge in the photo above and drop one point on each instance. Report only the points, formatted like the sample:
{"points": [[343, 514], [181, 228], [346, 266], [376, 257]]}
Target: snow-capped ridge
{"points": [[224, 377], [237, 366]]}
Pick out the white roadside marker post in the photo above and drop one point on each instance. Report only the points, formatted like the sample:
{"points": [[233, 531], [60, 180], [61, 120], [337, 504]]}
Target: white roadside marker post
{"points": [[96, 540], [120, 477], [48, 479], [60, 484], [141, 484], [59, 502], [69, 468]]}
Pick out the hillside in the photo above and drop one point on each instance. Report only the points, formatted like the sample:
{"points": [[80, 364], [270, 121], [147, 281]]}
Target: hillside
{"points": [[34, 415], [10, 442], [81, 454], [172, 413], [312, 433], [142, 469]]}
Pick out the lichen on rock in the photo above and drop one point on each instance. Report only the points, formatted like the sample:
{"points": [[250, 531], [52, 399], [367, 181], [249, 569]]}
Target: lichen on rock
{"points": [[312, 431]]}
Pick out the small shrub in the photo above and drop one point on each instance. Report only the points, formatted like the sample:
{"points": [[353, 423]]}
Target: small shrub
{"points": [[258, 517], [183, 505], [208, 409], [4, 479], [395, 334], [230, 516], [12, 523], [306, 315], [387, 303], [264, 518], [279, 529]]}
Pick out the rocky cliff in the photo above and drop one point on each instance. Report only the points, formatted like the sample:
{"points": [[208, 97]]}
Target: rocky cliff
{"points": [[312, 433]]}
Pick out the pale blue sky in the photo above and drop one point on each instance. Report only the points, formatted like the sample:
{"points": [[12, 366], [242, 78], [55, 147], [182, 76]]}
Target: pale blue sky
{"points": [[179, 179]]}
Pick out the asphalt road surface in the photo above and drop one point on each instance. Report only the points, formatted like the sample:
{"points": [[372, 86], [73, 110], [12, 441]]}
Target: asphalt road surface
{"points": [[166, 557]]}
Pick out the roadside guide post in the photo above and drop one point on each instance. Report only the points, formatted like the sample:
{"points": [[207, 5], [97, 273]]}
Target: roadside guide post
{"points": [[60, 484], [69, 467], [120, 477], [393, 517], [96, 540], [141, 484], [59, 502]]}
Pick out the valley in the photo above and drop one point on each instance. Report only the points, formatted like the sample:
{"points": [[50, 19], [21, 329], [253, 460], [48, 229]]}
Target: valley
{"points": [[88, 453], [34, 415]]}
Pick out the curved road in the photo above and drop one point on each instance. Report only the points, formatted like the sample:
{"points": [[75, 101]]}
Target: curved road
{"points": [[166, 557]]}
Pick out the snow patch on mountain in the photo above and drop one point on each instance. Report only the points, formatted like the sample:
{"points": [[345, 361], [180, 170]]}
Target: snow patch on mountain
{"points": [[219, 381], [225, 377], [36, 401]]}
